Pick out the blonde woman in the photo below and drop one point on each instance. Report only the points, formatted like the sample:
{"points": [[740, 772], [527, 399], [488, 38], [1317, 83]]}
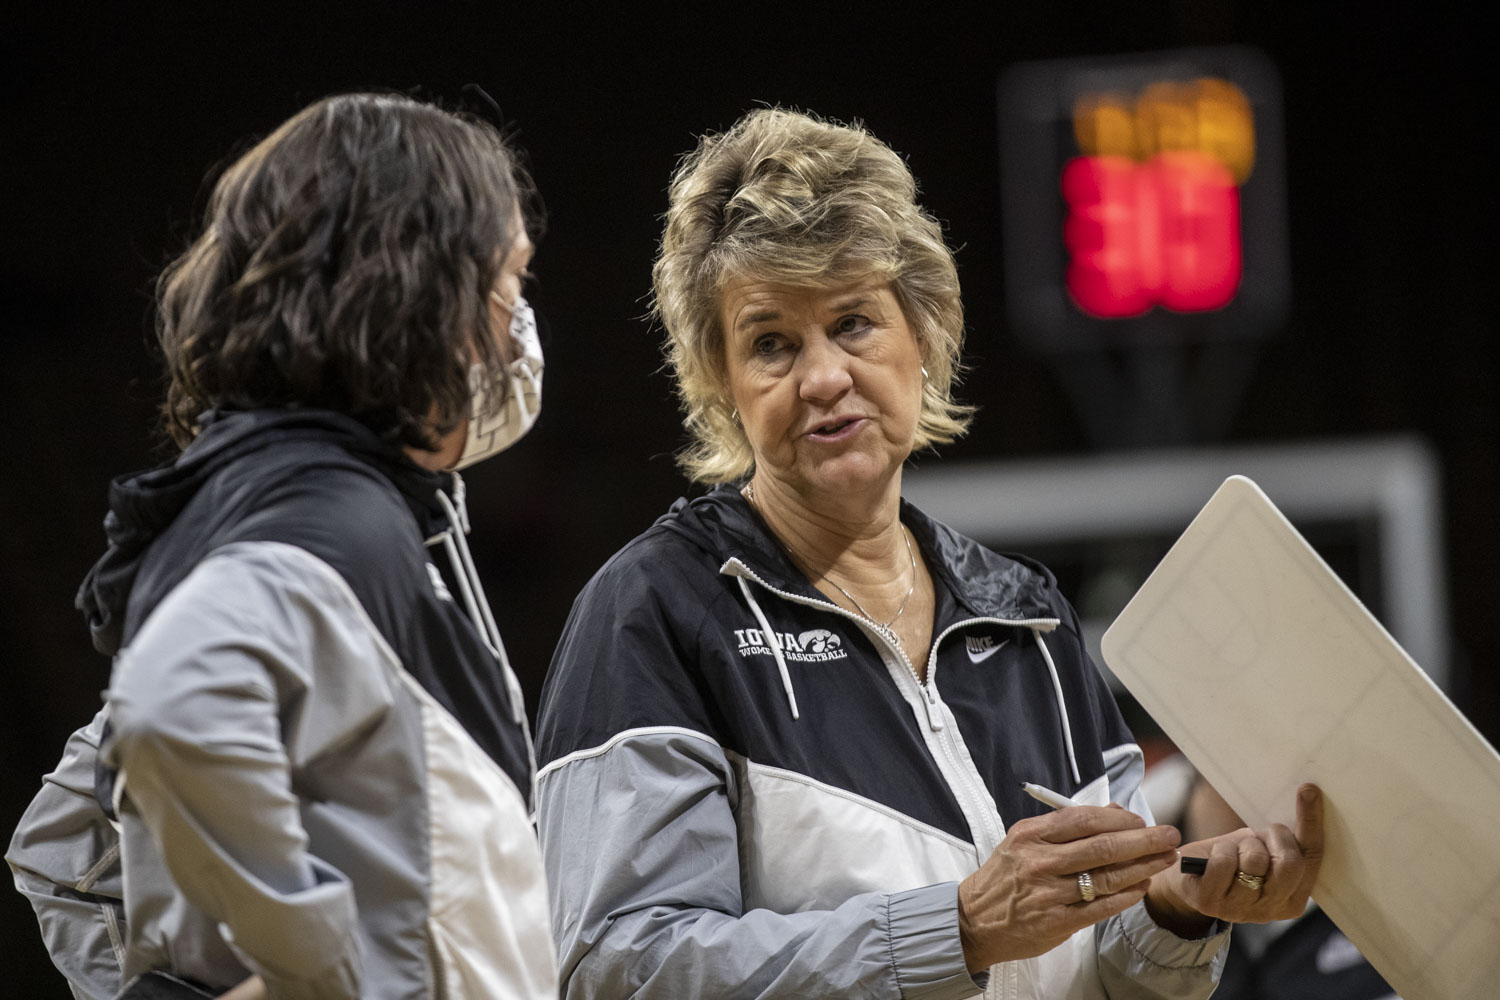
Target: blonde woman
{"points": [[783, 736]]}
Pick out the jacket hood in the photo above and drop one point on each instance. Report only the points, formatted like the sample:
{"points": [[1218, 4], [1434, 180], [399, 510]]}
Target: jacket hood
{"points": [[144, 504], [986, 583]]}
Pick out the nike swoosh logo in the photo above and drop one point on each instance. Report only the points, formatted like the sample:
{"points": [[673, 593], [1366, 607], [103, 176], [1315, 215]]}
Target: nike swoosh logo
{"points": [[985, 654]]}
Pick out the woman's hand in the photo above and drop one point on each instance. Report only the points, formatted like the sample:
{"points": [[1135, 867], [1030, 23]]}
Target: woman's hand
{"points": [[1027, 898], [1252, 876]]}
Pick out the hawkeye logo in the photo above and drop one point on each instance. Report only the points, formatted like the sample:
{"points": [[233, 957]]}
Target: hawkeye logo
{"points": [[813, 646]]}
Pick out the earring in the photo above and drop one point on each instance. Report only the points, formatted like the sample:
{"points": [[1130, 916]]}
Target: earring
{"points": [[735, 414], [925, 376]]}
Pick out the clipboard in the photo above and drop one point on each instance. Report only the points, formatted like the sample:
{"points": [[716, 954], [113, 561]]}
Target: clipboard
{"points": [[1266, 671]]}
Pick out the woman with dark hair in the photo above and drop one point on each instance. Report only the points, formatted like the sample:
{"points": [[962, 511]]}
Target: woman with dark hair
{"points": [[317, 760]]}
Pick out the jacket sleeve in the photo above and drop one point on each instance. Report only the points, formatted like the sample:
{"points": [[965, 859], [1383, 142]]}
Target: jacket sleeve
{"points": [[640, 845], [257, 663], [1139, 960], [65, 857]]}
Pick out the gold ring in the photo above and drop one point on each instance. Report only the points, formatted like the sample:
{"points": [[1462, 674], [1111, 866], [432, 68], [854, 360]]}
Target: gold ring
{"points": [[1086, 887], [1251, 882]]}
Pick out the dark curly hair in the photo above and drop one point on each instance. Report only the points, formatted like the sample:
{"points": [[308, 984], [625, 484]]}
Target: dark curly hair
{"points": [[345, 263]]}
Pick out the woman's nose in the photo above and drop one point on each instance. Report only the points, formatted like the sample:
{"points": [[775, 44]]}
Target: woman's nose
{"points": [[825, 370]]}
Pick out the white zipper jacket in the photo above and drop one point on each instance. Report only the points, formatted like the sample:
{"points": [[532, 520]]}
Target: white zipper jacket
{"points": [[746, 792], [320, 763]]}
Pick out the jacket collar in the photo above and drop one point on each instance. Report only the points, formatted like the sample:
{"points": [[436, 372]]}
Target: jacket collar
{"points": [[144, 504], [985, 584]]}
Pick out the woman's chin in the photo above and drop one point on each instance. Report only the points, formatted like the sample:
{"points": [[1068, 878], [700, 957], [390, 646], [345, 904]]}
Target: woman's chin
{"points": [[848, 478]]}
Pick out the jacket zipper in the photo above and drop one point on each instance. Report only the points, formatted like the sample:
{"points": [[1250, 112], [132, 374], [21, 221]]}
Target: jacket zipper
{"points": [[980, 796], [973, 790]]}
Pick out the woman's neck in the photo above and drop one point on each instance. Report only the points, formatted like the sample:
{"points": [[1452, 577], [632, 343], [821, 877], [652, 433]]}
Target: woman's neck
{"points": [[857, 544]]}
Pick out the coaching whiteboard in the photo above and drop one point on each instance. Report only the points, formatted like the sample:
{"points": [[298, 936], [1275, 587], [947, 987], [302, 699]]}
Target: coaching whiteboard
{"points": [[1266, 671]]}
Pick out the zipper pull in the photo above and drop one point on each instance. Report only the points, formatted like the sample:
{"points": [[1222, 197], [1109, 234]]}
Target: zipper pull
{"points": [[460, 493], [934, 710]]}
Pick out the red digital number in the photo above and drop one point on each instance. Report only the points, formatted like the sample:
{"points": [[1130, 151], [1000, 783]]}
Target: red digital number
{"points": [[1164, 232]]}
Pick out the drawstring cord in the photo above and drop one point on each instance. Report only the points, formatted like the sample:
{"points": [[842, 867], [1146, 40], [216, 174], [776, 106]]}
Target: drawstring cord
{"points": [[1062, 705], [475, 602], [774, 642]]}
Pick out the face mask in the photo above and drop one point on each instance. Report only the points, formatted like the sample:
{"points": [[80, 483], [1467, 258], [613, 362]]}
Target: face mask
{"points": [[523, 402]]}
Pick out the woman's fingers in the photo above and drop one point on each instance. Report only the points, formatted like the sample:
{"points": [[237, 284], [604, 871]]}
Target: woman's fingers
{"points": [[1083, 838], [1223, 862], [1290, 868], [1257, 876], [1075, 822], [1310, 820], [1296, 858], [1253, 861], [1107, 905], [1122, 847], [1114, 847], [1027, 897], [1310, 833], [1136, 873]]}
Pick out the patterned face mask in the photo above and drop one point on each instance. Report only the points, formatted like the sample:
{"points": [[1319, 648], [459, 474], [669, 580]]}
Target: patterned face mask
{"points": [[523, 402]]}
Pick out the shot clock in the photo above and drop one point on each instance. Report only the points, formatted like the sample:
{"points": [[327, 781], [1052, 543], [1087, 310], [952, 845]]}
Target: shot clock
{"points": [[1143, 198]]}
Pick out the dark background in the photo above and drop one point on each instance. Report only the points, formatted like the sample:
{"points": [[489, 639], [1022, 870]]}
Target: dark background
{"points": [[114, 116]]}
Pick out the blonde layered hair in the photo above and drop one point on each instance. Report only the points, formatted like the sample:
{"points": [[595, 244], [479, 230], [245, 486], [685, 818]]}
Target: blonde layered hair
{"points": [[787, 197]]}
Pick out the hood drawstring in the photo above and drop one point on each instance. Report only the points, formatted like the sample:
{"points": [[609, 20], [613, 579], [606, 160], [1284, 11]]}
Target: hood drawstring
{"points": [[457, 546], [1062, 705], [774, 642]]}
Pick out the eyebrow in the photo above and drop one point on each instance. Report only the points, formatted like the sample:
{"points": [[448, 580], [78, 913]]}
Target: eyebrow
{"points": [[856, 300], [758, 317]]}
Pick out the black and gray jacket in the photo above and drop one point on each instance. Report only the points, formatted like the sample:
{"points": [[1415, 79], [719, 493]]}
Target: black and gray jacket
{"points": [[745, 791], [319, 761]]}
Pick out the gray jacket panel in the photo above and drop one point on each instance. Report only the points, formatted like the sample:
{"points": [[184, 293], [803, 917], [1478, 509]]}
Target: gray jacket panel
{"points": [[240, 680], [65, 857], [293, 804], [654, 831], [654, 906], [1137, 957]]}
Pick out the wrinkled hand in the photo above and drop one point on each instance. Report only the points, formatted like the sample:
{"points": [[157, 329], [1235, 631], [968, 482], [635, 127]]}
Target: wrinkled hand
{"points": [[1287, 861], [1025, 899]]}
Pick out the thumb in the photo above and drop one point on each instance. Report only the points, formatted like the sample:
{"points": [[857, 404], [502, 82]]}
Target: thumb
{"points": [[1309, 831]]}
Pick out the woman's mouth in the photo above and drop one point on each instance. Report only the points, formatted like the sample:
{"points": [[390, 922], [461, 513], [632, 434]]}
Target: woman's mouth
{"points": [[836, 430]]}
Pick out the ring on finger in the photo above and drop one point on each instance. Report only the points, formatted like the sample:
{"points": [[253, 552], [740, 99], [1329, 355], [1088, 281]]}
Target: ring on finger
{"points": [[1252, 882], [1086, 887]]}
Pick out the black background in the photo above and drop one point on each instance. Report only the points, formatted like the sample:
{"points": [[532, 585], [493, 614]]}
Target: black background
{"points": [[114, 114]]}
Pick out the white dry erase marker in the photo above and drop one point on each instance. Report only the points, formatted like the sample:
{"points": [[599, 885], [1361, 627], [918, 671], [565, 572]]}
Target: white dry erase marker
{"points": [[1057, 800]]}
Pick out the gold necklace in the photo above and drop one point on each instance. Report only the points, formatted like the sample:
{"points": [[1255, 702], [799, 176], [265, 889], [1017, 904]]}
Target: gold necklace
{"points": [[905, 537]]}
